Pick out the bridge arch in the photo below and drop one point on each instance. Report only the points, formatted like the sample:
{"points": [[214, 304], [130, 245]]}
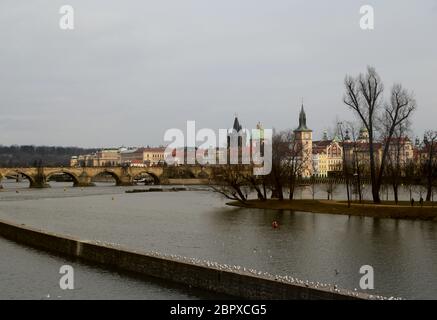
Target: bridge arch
{"points": [[111, 173], [154, 176], [66, 172], [16, 172]]}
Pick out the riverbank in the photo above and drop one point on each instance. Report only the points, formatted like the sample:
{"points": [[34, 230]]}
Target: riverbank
{"points": [[385, 210]]}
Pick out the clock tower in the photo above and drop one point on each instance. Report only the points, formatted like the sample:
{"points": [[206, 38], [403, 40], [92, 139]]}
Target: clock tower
{"points": [[304, 143]]}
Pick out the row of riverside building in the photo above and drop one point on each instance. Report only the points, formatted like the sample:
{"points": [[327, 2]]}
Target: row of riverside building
{"points": [[326, 157], [135, 157], [155, 156], [321, 158]]}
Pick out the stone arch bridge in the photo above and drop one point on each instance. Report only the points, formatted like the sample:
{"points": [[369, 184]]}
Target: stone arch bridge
{"points": [[83, 176]]}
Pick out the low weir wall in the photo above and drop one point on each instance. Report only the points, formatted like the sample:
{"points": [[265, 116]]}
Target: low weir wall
{"points": [[188, 182], [242, 284]]}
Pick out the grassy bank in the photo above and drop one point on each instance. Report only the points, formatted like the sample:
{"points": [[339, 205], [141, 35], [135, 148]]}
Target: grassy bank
{"points": [[366, 209]]}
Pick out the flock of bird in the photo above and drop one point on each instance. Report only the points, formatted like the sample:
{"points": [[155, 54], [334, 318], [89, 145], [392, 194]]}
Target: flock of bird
{"points": [[250, 271]]}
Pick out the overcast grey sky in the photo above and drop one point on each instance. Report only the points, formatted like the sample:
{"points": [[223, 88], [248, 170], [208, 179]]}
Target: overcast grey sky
{"points": [[132, 69]]}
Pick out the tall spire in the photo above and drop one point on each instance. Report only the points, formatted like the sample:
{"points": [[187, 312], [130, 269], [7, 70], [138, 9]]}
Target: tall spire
{"points": [[302, 120], [237, 127]]}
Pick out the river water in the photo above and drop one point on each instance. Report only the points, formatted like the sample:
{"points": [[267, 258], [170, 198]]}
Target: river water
{"points": [[315, 247]]}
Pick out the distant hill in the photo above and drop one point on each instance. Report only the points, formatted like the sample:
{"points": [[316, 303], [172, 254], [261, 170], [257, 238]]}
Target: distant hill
{"points": [[28, 156]]}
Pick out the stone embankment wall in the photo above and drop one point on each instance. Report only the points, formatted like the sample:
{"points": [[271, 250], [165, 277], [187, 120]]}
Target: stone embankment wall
{"points": [[236, 283]]}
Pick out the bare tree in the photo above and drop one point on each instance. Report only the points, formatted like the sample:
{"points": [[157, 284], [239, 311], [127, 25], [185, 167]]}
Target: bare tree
{"points": [[257, 183], [393, 168], [234, 181], [287, 163], [357, 166], [296, 161], [230, 181], [278, 172], [313, 183], [344, 142], [330, 186], [364, 96], [395, 118], [430, 161], [396, 159]]}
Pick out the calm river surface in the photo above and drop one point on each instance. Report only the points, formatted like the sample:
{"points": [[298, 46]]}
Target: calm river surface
{"points": [[199, 224]]}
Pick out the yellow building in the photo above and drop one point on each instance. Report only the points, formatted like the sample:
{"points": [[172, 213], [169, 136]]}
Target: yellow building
{"points": [[74, 161], [327, 157], [147, 156], [154, 156], [320, 164], [107, 158]]}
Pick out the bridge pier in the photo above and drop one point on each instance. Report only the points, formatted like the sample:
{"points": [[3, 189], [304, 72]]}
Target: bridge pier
{"points": [[83, 180], [38, 179], [38, 184], [125, 180], [124, 184], [163, 181]]}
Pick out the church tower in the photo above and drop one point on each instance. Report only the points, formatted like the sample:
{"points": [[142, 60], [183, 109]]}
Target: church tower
{"points": [[304, 142], [236, 134]]}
